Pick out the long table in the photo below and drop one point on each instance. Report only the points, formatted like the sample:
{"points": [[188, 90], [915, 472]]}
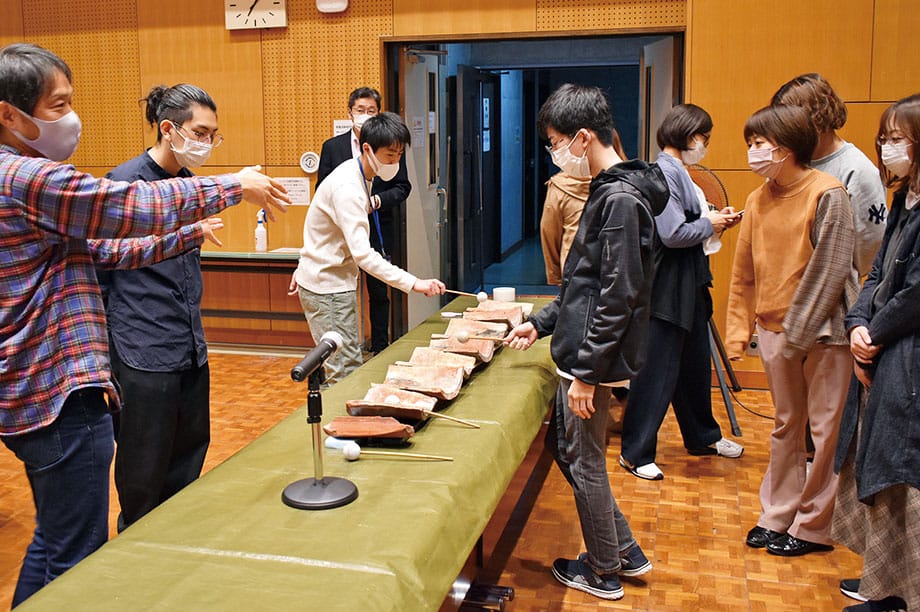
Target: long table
{"points": [[228, 542]]}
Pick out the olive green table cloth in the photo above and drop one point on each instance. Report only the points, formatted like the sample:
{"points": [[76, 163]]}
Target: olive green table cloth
{"points": [[227, 542]]}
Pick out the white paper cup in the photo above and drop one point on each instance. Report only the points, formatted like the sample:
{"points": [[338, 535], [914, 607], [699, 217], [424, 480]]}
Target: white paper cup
{"points": [[503, 294]]}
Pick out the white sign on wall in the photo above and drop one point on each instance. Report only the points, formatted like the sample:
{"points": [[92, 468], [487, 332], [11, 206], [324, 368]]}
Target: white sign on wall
{"points": [[298, 188], [340, 126]]}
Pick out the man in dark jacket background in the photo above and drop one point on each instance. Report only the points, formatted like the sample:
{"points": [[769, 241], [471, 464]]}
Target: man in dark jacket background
{"points": [[385, 196], [599, 323]]}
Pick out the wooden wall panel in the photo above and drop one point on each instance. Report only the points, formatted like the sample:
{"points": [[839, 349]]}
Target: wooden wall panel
{"points": [[741, 51], [100, 45], [612, 15], [186, 42], [895, 60], [11, 24], [862, 125], [438, 17], [240, 221], [311, 67]]}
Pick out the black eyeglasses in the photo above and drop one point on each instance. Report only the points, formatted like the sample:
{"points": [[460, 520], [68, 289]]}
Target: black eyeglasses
{"points": [[203, 137]]}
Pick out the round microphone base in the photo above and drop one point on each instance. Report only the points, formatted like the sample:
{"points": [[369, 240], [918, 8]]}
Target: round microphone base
{"points": [[313, 494]]}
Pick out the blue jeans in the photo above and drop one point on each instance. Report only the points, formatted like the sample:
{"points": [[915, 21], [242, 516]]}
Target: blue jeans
{"points": [[580, 450], [67, 464]]}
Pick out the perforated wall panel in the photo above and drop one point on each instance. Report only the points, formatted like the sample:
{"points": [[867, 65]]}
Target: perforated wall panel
{"points": [[312, 67], [557, 15], [101, 48]]}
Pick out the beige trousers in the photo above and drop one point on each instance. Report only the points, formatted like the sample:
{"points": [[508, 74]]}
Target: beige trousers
{"points": [[808, 389]]}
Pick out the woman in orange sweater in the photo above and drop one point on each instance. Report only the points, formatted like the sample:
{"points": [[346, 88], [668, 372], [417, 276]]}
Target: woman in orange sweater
{"points": [[792, 279]]}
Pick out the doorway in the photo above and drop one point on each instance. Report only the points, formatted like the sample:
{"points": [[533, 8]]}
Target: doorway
{"points": [[487, 167]]}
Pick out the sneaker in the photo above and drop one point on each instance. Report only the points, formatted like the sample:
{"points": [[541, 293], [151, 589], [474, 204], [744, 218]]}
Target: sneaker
{"points": [[649, 471], [633, 562], [723, 447], [575, 573], [850, 588], [889, 604]]}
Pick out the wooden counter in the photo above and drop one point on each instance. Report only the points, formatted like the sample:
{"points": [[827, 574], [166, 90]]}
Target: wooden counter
{"points": [[245, 300]]}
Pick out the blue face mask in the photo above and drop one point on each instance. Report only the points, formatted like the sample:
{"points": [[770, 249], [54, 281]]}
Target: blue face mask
{"points": [[58, 139]]}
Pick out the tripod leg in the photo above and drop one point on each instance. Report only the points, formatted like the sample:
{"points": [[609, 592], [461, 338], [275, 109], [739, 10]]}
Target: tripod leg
{"points": [[723, 386], [717, 340]]}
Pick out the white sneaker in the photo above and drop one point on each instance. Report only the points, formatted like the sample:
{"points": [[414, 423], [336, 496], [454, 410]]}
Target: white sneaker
{"points": [[727, 448], [649, 471]]}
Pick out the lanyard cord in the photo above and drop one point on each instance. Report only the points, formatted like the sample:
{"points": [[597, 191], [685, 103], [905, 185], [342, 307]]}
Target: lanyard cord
{"points": [[374, 212]]}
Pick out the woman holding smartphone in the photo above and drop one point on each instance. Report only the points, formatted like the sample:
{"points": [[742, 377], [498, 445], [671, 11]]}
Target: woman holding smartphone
{"points": [[678, 341]]}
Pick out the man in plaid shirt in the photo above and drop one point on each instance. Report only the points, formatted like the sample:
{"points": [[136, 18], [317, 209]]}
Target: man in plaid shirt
{"points": [[55, 381]]}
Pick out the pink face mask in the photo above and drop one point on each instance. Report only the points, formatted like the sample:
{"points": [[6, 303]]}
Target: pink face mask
{"points": [[761, 162]]}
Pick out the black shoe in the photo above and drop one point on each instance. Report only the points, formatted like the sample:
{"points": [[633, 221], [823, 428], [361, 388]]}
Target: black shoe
{"points": [[758, 537], [791, 546], [889, 604], [577, 574], [850, 588]]}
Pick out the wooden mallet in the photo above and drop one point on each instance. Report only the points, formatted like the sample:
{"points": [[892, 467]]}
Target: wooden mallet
{"points": [[352, 451], [482, 296], [463, 336]]}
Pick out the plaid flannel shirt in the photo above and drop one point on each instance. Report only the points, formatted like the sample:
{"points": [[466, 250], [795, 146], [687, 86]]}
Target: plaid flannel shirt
{"points": [[52, 322]]}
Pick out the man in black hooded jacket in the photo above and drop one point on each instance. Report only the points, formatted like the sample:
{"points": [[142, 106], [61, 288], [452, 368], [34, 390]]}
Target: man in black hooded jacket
{"points": [[599, 323]]}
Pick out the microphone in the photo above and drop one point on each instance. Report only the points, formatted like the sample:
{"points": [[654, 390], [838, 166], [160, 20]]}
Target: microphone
{"points": [[327, 345]]}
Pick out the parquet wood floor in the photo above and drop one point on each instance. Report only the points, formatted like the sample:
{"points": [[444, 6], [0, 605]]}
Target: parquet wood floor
{"points": [[691, 524]]}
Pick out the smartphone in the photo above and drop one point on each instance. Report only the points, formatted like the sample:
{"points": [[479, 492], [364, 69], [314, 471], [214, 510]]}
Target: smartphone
{"points": [[739, 213]]}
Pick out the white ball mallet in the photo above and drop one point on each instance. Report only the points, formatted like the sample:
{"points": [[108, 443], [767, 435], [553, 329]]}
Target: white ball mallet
{"points": [[353, 452]]}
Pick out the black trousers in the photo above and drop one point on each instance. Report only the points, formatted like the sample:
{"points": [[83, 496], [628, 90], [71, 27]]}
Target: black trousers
{"points": [[162, 435], [678, 371], [378, 295]]}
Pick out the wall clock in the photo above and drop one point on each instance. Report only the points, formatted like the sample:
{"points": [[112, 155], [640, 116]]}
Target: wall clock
{"points": [[249, 14]]}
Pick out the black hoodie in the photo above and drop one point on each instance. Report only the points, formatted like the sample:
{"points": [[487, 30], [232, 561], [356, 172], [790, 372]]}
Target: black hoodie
{"points": [[599, 320]]}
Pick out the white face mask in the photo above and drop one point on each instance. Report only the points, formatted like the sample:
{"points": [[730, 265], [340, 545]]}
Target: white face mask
{"points": [[576, 167], [359, 120], [896, 158], [761, 162], [193, 153], [694, 155], [58, 139], [386, 172]]}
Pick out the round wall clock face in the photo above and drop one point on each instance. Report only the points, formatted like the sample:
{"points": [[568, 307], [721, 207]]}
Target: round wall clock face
{"points": [[248, 14]]}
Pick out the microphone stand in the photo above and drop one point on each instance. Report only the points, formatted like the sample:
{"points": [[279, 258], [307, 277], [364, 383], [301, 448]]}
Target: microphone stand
{"points": [[318, 493]]}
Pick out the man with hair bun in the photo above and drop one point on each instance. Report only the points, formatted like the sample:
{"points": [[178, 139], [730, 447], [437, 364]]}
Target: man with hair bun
{"points": [[156, 338]]}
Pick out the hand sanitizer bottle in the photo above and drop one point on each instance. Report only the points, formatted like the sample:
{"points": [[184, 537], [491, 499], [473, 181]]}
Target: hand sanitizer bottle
{"points": [[261, 234]]}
